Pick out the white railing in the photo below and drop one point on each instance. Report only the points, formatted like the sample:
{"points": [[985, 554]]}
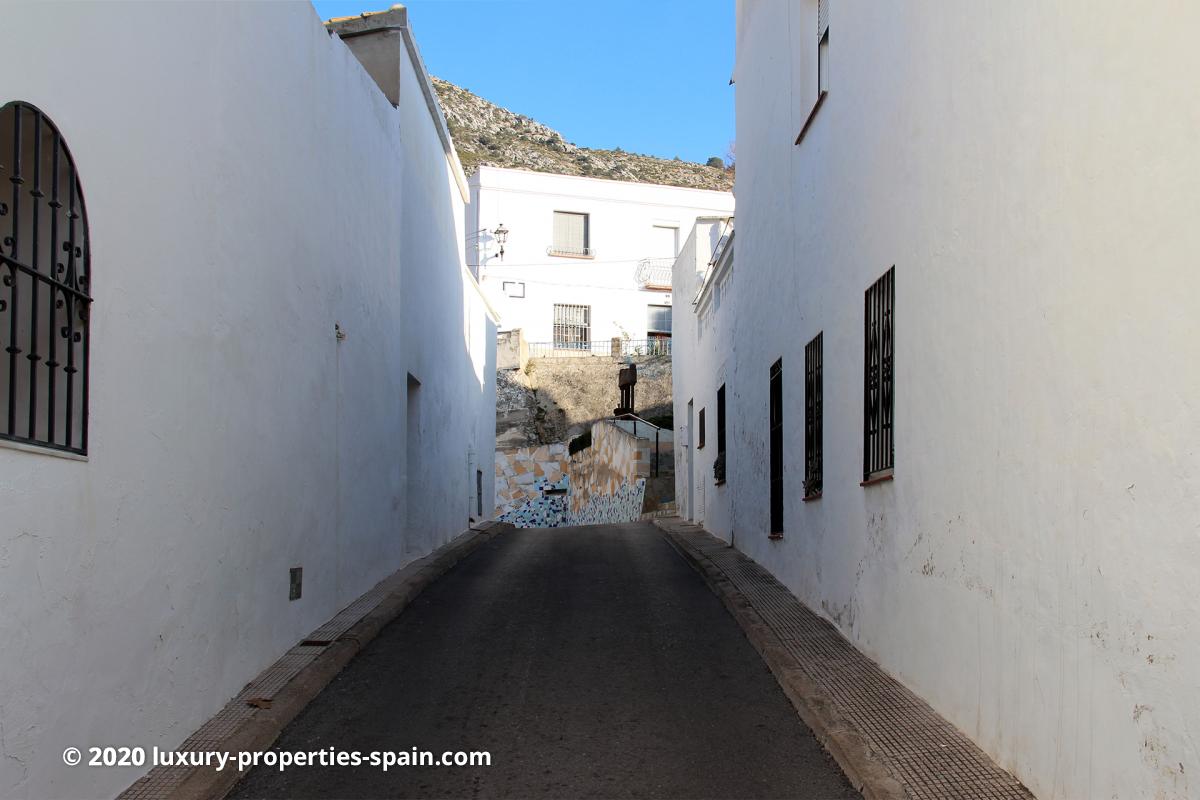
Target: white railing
{"points": [[654, 272]]}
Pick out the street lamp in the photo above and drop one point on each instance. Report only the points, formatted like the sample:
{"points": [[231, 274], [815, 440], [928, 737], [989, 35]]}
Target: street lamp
{"points": [[501, 234]]}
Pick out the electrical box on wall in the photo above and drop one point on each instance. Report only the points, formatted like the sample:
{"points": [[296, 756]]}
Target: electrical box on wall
{"points": [[295, 582]]}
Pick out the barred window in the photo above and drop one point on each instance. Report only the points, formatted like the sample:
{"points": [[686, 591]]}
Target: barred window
{"points": [[879, 318], [572, 327], [479, 493], [814, 423], [572, 234], [776, 418], [700, 428], [45, 282], [719, 464]]}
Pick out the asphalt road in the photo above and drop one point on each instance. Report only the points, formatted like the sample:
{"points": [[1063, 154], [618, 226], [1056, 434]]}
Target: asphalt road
{"points": [[589, 662]]}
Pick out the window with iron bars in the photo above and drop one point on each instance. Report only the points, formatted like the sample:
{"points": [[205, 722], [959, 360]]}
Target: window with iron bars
{"points": [[572, 327], [719, 463], [45, 282], [776, 392], [879, 319], [814, 423]]}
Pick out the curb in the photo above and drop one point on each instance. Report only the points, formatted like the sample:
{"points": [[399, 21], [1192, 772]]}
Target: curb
{"points": [[261, 730], [839, 737]]}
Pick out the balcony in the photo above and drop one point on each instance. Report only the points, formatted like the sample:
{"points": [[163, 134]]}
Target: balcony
{"points": [[654, 274]]}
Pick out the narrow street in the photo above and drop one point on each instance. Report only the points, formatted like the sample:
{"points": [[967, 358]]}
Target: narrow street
{"points": [[588, 661]]}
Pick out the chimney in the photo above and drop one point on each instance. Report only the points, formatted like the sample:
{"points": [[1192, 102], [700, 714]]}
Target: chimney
{"points": [[375, 39]]}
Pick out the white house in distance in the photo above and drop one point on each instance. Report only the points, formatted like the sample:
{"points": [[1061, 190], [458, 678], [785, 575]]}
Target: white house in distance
{"points": [[962, 385], [575, 261], [261, 380], [702, 355]]}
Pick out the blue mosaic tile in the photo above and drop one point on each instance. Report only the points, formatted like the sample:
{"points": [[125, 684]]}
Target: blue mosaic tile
{"points": [[625, 505]]}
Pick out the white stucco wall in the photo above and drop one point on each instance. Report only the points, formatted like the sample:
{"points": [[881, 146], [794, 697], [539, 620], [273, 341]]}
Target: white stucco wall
{"points": [[623, 217], [245, 182], [1033, 177], [703, 352], [452, 345]]}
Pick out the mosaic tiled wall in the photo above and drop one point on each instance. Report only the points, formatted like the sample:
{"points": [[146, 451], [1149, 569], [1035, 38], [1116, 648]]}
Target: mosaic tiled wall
{"points": [[608, 479], [623, 505], [543, 510], [603, 483], [521, 474]]}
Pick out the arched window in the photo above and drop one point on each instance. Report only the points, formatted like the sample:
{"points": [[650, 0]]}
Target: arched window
{"points": [[45, 286]]}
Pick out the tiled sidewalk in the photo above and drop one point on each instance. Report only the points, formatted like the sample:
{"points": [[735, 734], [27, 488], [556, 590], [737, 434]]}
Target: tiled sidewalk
{"points": [[924, 753]]}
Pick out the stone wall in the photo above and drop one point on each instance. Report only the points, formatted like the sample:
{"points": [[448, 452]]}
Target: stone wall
{"points": [[512, 351], [517, 413], [556, 399]]}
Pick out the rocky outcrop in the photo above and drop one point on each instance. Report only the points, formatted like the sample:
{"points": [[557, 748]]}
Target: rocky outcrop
{"points": [[556, 399], [485, 134]]}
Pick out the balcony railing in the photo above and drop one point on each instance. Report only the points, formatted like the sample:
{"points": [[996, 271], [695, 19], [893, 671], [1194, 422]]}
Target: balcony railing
{"points": [[607, 348], [654, 273]]}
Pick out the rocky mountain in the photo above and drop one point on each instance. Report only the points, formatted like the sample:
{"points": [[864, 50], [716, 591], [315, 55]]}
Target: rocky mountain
{"points": [[485, 134]]}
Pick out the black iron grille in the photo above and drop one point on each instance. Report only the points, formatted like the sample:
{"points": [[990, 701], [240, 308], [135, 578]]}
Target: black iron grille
{"points": [[777, 447], [45, 283], [879, 316], [719, 463], [813, 422]]}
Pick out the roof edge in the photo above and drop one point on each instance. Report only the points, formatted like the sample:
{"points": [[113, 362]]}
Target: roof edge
{"points": [[615, 181], [396, 19]]}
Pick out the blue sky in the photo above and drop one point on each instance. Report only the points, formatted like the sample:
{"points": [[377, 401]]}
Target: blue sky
{"points": [[649, 76]]}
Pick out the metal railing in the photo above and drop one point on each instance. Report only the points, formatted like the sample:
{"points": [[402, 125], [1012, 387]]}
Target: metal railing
{"points": [[634, 348], [635, 419], [654, 272]]}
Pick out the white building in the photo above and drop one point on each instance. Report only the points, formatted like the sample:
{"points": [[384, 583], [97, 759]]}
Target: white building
{"points": [[279, 323], [703, 354], [1013, 532], [585, 260]]}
